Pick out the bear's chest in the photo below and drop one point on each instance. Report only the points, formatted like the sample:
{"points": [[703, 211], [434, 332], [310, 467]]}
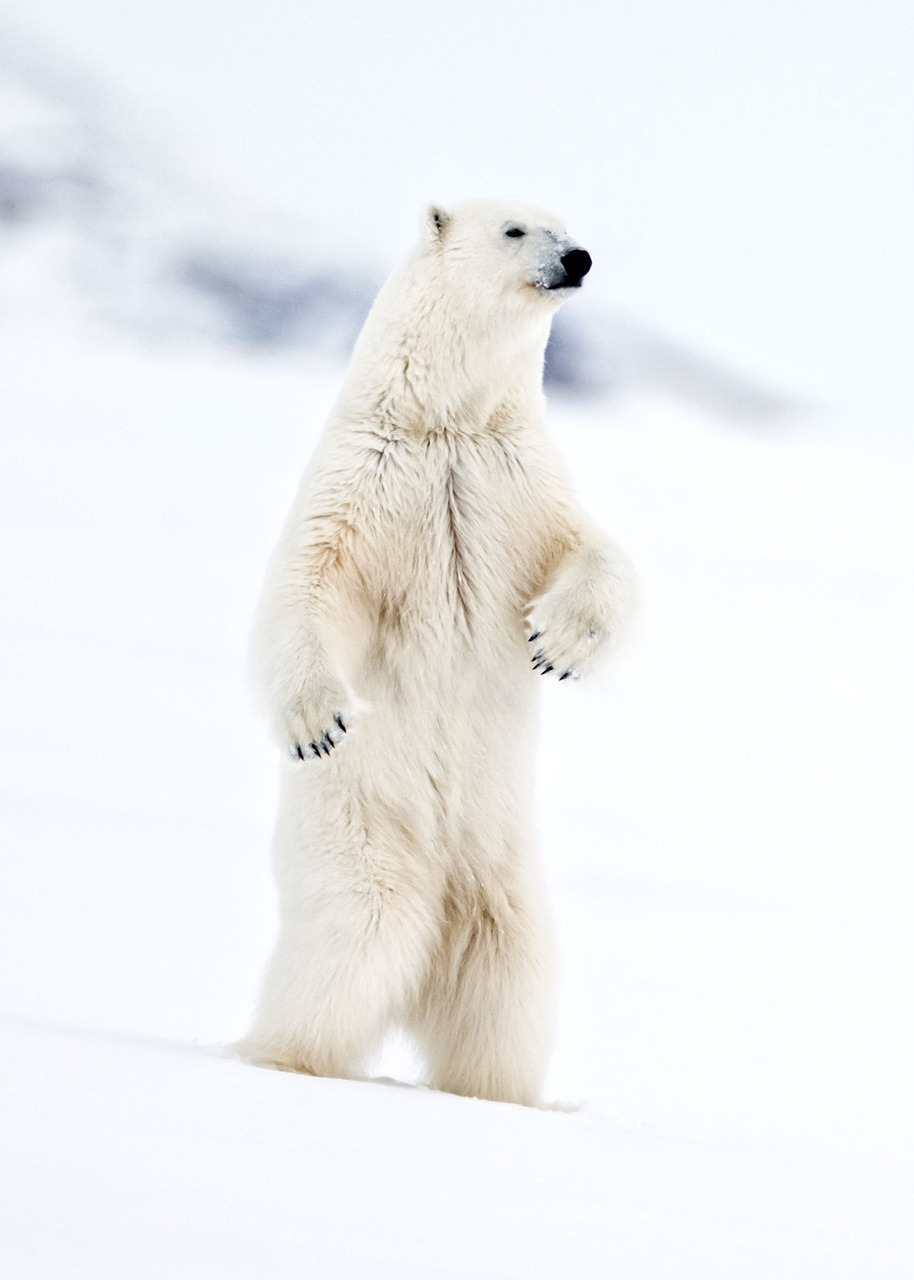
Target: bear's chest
{"points": [[458, 525]]}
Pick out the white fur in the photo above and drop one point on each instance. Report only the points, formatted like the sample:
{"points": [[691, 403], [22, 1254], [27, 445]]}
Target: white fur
{"points": [[433, 532]]}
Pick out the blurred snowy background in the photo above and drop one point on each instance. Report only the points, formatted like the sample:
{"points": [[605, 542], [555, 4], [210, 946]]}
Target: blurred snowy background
{"points": [[197, 202]]}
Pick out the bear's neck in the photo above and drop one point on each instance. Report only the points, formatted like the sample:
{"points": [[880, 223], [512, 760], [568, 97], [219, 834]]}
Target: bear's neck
{"points": [[422, 366]]}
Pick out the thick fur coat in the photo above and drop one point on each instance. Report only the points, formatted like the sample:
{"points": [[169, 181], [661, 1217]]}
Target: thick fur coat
{"points": [[434, 564]]}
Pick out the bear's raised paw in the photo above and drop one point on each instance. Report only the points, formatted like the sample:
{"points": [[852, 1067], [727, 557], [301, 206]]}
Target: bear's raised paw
{"points": [[567, 660]]}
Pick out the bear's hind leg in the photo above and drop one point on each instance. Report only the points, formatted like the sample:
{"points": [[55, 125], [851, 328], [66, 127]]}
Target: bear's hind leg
{"points": [[337, 980], [357, 931], [486, 1015]]}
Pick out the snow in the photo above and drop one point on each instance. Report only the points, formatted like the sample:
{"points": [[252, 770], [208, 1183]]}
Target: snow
{"points": [[149, 1161]]}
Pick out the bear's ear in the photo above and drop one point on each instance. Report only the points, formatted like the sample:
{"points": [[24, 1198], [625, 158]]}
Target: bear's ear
{"points": [[434, 221]]}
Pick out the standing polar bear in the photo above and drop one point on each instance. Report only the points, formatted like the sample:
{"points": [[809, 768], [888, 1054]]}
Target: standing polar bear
{"points": [[434, 564]]}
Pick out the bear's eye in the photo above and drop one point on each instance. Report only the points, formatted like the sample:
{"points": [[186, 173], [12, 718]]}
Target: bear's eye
{"points": [[514, 232]]}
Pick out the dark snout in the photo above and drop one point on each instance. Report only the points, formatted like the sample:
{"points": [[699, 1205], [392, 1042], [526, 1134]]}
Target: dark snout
{"points": [[567, 271], [577, 262]]}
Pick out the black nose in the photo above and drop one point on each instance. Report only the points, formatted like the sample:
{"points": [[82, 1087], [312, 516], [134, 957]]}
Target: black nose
{"points": [[577, 262]]}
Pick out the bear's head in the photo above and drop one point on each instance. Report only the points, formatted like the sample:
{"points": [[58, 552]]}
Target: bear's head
{"points": [[504, 254], [464, 321]]}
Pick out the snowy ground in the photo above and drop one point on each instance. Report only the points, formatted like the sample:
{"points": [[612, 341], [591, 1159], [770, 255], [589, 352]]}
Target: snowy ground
{"points": [[726, 824], [144, 1161]]}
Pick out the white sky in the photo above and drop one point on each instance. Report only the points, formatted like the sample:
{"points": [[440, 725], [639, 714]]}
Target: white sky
{"points": [[742, 174]]}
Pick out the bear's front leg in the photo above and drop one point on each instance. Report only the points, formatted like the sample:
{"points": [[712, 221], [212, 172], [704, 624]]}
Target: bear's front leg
{"points": [[586, 612], [307, 630], [301, 687]]}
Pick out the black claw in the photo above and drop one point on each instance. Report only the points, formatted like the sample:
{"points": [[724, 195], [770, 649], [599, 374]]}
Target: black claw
{"points": [[545, 671], [339, 720], [565, 676], [299, 752], [315, 749], [536, 635], [327, 742]]}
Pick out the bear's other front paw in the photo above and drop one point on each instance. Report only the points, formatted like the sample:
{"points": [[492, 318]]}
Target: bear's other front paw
{"points": [[316, 720], [322, 743]]}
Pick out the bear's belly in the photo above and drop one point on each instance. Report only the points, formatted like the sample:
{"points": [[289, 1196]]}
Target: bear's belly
{"points": [[453, 624]]}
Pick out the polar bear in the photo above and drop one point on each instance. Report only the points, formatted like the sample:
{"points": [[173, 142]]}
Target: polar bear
{"points": [[434, 565]]}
